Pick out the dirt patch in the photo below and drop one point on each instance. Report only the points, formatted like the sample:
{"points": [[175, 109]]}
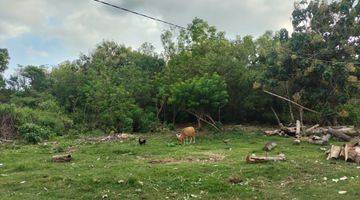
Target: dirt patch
{"points": [[235, 180], [112, 137], [208, 159]]}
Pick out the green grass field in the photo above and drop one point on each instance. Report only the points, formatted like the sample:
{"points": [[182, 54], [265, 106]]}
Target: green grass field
{"points": [[159, 170]]}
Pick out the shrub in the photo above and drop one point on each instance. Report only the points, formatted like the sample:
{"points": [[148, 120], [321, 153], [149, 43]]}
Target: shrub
{"points": [[146, 122], [170, 126], [350, 113], [33, 133], [56, 122], [14, 120]]}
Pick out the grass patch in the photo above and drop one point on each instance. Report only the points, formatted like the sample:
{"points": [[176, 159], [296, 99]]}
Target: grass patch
{"points": [[210, 169]]}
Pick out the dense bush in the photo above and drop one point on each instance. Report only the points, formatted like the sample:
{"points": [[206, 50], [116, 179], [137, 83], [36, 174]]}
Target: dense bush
{"points": [[15, 119], [144, 121], [33, 133], [350, 113], [56, 122]]}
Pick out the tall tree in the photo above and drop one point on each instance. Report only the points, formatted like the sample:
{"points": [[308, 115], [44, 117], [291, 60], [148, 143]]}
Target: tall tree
{"points": [[200, 96], [4, 61]]}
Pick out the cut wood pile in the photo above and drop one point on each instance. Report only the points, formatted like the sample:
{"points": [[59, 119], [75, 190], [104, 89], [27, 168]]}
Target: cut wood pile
{"points": [[316, 134], [349, 152]]}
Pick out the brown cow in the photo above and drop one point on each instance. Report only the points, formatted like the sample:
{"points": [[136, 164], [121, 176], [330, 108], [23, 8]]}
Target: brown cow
{"points": [[188, 132]]}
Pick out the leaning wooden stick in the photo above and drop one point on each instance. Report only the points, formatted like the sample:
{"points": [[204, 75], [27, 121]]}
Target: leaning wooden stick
{"points": [[293, 102], [277, 118]]}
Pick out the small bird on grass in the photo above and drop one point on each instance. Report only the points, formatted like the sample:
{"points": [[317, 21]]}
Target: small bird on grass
{"points": [[142, 141], [268, 147]]}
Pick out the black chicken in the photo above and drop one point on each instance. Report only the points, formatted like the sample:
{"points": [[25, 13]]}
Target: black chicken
{"points": [[142, 141]]}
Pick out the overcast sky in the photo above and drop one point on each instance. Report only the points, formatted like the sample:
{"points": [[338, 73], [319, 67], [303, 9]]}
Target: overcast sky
{"points": [[47, 32]]}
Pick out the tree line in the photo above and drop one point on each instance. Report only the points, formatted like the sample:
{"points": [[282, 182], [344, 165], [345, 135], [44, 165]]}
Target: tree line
{"points": [[201, 76]]}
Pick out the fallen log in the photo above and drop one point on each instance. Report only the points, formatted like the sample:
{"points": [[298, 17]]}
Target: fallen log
{"points": [[298, 128], [324, 140], [6, 141], [338, 133], [334, 152], [62, 158], [290, 131], [260, 159], [312, 128], [348, 152], [274, 132], [352, 153]]}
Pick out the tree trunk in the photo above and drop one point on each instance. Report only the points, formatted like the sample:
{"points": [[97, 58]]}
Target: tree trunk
{"points": [[277, 118], [334, 152], [335, 121], [290, 107], [198, 122], [339, 134], [324, 140], [298, 128]]}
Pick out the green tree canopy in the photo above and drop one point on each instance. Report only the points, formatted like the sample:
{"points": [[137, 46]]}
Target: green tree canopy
{"points": [[200, 95]]}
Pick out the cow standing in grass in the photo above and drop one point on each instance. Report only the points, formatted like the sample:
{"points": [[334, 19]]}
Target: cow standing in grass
{"points": [[188, 132]]}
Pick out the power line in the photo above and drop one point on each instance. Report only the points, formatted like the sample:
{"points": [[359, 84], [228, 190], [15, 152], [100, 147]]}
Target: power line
{"points": [[140, 14], [183, 28]]}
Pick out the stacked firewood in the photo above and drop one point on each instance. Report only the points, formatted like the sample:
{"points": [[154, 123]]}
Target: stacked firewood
{"points": [[348, 152], [316, 134]]}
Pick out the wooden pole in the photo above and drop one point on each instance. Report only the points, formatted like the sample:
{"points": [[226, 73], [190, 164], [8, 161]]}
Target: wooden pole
{"points": [[293, 102], [290, 107], [277, 118]]}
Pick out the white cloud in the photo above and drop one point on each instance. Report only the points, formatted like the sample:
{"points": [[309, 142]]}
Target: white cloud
{"points": [[8, 30], [80, 24], [32, 52]]}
